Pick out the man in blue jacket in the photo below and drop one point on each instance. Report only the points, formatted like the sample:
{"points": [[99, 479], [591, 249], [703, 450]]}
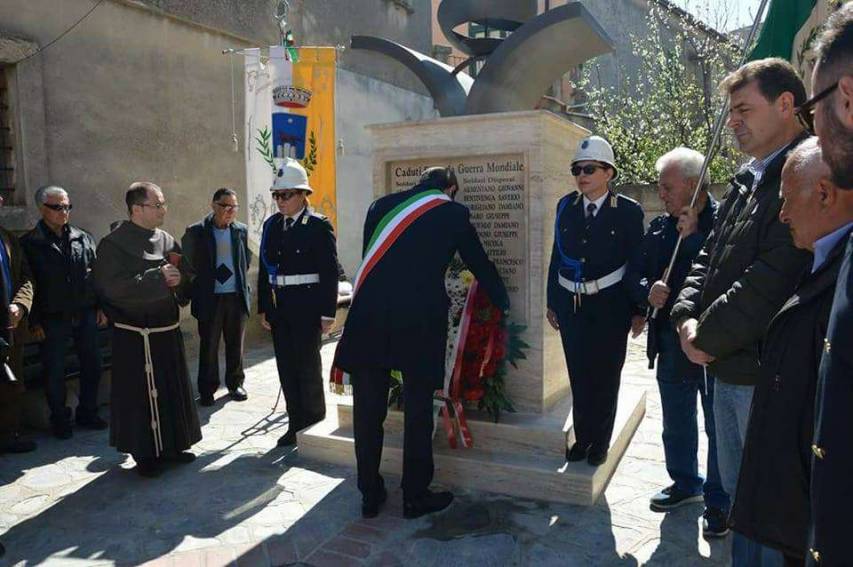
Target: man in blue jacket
{"points": [[679, 379]]}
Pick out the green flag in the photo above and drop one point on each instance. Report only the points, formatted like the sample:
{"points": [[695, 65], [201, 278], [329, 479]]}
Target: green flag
{"points": [[790, 30]]}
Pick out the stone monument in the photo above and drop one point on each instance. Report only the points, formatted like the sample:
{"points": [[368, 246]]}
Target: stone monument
{"points": [[512, 167]]}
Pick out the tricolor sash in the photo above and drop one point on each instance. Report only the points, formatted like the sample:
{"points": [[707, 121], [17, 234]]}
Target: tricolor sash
{"points": [[392, 225]]}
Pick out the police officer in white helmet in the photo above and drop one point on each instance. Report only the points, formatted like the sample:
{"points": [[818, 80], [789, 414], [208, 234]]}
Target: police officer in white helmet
{"points": [[297, 294], [595, 234]]}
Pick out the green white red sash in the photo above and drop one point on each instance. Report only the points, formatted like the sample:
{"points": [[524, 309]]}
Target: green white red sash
{"points": [[392, 225]]}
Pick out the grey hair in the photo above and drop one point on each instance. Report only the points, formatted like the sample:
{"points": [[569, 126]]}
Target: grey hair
{"points": [[689, 162], [806, 162], [45, 191]]}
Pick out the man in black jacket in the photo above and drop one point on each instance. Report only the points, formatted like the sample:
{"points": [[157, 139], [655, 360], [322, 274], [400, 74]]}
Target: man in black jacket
{"points": [[298, 294], [398, 321], [772, 503], [748, 266], [832, 464], [679, 380], [65, 306], [217, 249]]}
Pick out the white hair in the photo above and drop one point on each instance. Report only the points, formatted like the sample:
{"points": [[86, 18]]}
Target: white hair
{"points": [[689, 162], [42, 193]]}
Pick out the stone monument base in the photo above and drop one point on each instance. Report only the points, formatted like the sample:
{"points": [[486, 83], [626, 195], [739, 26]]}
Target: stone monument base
{"points": [[523, 455]]}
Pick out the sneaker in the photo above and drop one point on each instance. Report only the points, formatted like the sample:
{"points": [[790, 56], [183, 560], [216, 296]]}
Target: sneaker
{"points": [[715, 523], [670, 498]]}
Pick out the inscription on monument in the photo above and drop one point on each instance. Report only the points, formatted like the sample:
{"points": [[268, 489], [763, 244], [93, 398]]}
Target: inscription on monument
{"points": [[494, 188]]}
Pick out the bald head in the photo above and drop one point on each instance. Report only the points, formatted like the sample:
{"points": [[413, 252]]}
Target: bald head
{"points": [[813, 206]]}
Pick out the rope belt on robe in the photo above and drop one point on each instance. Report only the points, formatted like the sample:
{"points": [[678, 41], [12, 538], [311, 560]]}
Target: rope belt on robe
{"points": [[153, 404]]}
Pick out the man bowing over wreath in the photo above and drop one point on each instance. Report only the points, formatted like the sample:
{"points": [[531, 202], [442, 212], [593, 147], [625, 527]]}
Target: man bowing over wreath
{"points": [[398, 321]]}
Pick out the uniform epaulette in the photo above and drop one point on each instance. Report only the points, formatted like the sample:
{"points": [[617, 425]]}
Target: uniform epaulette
{"points": [[572, 198], [627, 199], [320, 216]]}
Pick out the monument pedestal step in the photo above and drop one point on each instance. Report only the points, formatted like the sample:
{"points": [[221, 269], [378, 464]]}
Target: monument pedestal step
{"points": [[523, 455]]}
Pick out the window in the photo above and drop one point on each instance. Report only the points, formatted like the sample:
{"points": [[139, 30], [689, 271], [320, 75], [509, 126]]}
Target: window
{"points": [[7, 149]]}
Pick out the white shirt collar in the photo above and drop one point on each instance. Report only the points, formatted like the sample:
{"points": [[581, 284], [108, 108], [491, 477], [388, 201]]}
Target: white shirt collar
{"points": [[296, 215], [598, 202]]}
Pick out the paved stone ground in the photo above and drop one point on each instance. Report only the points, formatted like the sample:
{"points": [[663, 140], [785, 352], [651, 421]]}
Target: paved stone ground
{"points": [[245, 502]]}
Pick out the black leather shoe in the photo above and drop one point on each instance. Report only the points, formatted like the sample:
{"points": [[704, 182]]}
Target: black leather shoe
{"points": [[429, 503], [371, 504], [62, 430], [18, 445], [148, 468], [238, 394], [576, 453], [91, 422], [206, 400], [287, 439], [183, 458], [597, 458]]}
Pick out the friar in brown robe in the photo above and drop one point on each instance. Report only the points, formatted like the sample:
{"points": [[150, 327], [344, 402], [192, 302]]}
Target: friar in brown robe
{"points": [[142, 284]]}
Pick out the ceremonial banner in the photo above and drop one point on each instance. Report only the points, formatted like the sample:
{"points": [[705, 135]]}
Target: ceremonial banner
{"points": [[290, 112], [790, 29]]}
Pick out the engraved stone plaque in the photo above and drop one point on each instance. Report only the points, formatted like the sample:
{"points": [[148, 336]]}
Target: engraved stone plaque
{"points": [[494, 188]]}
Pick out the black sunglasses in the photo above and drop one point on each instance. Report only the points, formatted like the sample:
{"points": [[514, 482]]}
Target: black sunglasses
{"points": [[57, 208], [228, 208], [284, 195], [586, 169], [805, 112]]}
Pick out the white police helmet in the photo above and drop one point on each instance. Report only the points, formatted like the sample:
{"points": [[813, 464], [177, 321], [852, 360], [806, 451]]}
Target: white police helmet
{"points": [[596, 148], [290, 174]]}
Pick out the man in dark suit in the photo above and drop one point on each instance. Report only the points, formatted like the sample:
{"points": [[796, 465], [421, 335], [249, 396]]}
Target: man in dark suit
{"points": [[832, 461], [398, 321], [218, 252], [298, 294]]}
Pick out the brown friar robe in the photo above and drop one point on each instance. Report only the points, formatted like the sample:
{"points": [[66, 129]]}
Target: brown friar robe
{"points": [[133, 292]]}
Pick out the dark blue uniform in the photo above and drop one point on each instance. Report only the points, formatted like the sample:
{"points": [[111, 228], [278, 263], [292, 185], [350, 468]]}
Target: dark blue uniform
{"points": [[294, 310], [594, 327], [832, 459]]}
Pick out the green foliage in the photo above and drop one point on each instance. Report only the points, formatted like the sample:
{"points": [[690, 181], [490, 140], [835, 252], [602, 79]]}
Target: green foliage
{"points": [[672, 100]]}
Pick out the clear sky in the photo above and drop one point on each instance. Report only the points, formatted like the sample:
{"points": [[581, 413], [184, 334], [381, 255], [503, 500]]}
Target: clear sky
{"points": [[726, 14]]}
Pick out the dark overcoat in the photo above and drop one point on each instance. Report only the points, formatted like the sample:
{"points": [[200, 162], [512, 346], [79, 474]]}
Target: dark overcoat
{"points": [[772, 501], [832, 455]]}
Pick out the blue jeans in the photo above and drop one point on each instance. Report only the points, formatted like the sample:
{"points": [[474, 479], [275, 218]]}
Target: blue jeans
{"points": [[731, 412], [680, 429], [57, 331]]}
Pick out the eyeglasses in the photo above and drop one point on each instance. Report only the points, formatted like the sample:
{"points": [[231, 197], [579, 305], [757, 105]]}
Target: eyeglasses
{"points": [[805, 112], [586, 169], [157, 206], [284, 195], [228, 208], [57, 208]]}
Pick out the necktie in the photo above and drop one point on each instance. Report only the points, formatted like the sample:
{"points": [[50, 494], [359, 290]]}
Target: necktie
{"points": [[590, 214], [288, 222]]}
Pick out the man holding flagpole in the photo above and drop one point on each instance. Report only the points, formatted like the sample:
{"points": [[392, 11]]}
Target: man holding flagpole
{"points": [[398, 321]]}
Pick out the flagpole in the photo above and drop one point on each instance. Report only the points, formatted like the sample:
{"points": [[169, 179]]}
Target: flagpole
{"points": [[712, 145]]}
